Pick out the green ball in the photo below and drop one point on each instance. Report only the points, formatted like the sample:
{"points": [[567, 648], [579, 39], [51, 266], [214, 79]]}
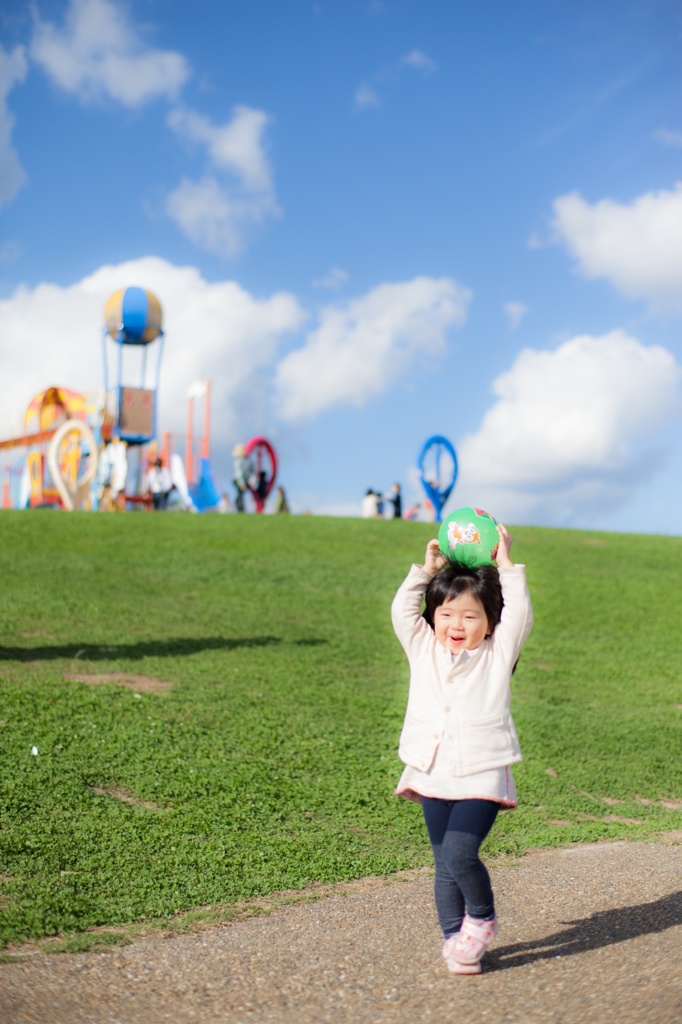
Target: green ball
{"points": [[470, 536]]}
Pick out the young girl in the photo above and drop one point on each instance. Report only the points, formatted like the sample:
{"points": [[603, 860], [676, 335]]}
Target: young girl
{"points": [[459, 739]]}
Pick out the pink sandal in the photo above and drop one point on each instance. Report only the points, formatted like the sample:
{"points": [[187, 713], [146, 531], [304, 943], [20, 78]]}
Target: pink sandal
{"points": [[453, 965], [473, 940]]}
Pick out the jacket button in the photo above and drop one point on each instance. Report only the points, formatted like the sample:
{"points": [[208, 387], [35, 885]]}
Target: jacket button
{"points": [[435, 735], [448, 708]]}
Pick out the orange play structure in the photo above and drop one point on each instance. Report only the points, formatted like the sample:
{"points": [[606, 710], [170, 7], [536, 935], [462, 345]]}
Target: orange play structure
{"points": [[46, 412], [61, 449]]}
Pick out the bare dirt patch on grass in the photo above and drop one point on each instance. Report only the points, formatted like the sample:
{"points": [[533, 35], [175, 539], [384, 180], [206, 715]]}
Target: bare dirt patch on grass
{"points": [[127, 798], [141, 684], [665, 802]]}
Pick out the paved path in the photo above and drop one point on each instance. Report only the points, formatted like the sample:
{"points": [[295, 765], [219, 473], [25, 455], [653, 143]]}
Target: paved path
{"points": [[589, 935]]}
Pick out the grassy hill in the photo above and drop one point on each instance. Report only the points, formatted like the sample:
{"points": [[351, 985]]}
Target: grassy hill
{"points": [[268, 761]]}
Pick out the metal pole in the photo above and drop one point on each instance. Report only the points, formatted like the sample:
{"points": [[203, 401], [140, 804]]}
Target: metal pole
{"points": [[189, 461], [206, 441]]}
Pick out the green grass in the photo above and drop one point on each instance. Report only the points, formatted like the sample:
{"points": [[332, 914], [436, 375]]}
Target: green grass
{"points": [[270, 764]]}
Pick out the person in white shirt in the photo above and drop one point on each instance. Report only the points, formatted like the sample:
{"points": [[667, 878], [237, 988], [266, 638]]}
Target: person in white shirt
{"points": [[159, 484], [370, 508], [458, 739]]}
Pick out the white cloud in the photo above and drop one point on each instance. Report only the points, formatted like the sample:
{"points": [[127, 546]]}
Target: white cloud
{"points": [[636, 247], [419, 61], [535, 241], [515, 312], [361, 347], [217, 212], [668, 138], [572, 433], [13, 69], [235, 146], [366, 97], [214, 218], [98, 53], [52, 336], [333, 279]]}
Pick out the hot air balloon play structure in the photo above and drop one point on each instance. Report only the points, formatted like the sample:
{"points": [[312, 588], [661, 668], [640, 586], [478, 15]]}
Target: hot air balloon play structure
{"points": [[437, 466], [133, 321]]}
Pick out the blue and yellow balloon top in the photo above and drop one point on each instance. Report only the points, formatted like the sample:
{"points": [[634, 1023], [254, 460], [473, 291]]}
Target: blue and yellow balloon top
{"points": [[133, 316]]}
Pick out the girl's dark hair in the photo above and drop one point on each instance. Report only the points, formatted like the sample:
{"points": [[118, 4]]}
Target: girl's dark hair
{"points": [[455, 578]]}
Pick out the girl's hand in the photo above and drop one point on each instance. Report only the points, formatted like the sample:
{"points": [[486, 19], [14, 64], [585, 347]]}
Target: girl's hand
{"points": [[503, 560], [433, 559]]}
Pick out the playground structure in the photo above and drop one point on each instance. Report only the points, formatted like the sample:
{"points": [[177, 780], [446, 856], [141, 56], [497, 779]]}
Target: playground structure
{"points": [[262, 455], [89, 451], [192, 475], [437, 465], [61, 457], [133, 321]]}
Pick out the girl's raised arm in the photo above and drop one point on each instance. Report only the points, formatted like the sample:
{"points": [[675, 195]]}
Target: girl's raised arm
{"points": [[408, 623], [517, 614], [433, 559], [503, 558]]}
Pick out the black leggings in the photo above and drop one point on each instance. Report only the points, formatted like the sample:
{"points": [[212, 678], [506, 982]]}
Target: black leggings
{"points": [[456, 830]]}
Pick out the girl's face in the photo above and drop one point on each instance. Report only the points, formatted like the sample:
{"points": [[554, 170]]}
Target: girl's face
{"points": [[460, 623]]}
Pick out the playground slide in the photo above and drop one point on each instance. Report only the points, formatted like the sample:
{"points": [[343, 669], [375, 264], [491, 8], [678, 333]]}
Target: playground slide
{"points": [[24, 487], [113, 466], [179, 478], [204, 493]]}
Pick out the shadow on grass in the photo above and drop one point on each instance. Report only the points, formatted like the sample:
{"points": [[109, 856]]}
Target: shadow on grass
{"points": [[601, 929], [143, 649]]}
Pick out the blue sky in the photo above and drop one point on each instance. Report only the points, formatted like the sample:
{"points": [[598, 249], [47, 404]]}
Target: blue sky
{"points": [[367, 223]]}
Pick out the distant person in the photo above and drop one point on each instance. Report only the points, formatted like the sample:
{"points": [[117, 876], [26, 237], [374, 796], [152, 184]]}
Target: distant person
{"points": [[394, 498], [380, 504], [369, 505], [459, 739], [281, 503], [113, 473], [224, 504], [412, 512], [262, 485], [242, 469], [159, 484]]}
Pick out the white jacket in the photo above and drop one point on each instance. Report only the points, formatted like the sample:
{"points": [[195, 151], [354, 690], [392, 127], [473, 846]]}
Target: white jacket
{"points": [[474, 685]]}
